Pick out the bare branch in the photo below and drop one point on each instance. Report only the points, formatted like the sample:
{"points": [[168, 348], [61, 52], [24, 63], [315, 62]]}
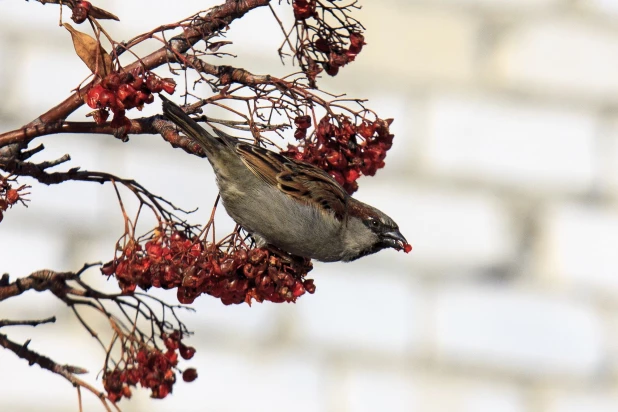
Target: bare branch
{"points": [[215, 20], [66, 371], [39, 281], [146, 125], [7, 322]]}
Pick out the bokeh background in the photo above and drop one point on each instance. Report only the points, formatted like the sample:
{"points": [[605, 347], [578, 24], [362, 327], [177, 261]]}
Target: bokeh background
{"points": [[504, 177]]}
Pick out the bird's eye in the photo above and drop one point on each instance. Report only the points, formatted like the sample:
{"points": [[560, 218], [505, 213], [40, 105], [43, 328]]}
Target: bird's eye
{"points": [[374, 222]]}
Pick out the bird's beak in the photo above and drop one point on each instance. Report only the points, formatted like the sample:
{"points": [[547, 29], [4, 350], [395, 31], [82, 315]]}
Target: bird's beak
{"points": [[394, 239]]}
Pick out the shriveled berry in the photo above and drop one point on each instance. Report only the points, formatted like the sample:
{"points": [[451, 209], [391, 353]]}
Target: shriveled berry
{"points": [[93, 96], [137, 82], [12, 196], [357, 41], [168, 85], [160, 392], [108, 269], [112, 81], [227, 266], [189, 375], [126, 392], [80, 11], [309, 286], [241, 255], [153, 83], [303, 122], [249, 270], [125, 92], [184, 296], [298, 289], [338, 59], [351, 175], [303, 9], [330, 69], [300, 134], [322, 45]]}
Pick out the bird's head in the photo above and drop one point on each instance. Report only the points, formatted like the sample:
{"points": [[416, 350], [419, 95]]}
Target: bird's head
{"points": [[370, 230]]}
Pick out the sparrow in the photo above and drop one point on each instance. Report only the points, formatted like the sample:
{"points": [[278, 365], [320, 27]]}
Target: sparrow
{"points": [[291, 205]]}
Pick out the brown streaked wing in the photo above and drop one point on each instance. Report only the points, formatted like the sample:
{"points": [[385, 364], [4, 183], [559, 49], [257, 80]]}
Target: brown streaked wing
{"points": [[263, 163], [312, 185], [307, 183]]}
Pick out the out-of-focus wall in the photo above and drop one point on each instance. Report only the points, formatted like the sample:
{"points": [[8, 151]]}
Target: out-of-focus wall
{"points": [[504, 177]]}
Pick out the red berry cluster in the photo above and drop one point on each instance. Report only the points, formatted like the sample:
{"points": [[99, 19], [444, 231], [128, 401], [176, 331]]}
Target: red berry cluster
{"points": [[343, 149], [151, 368], [175, 260], [123, 91], [337, 56], [332, 44], [81, 10], [10, 195], [303, 9]]}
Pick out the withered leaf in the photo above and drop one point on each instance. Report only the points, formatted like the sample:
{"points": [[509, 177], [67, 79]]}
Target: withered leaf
{"points": [[213, 47], [98, 13], [91, 52]]}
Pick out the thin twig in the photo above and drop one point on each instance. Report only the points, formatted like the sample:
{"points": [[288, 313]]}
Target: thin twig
{"points": [[7, 322], [66, 371]]}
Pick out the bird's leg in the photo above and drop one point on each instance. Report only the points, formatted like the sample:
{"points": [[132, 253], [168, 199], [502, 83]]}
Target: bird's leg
{"points": [[260, 242]]}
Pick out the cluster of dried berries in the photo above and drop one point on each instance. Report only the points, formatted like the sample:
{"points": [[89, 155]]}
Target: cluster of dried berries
{"points": [[343, 149], [150, 367], [303, 9], [170, 259], [10, 195], [123, 91], [81, 11], [337, 56], [331, 44]]}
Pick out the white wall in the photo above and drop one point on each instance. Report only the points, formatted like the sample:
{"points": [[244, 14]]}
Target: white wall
{"points": [[503, 176]]}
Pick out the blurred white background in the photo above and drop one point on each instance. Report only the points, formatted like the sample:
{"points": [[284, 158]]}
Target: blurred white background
{"points": [[504, 177]]}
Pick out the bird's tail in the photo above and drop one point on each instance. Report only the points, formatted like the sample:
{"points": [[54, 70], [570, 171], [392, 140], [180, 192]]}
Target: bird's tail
{"points": [[189, 126]]}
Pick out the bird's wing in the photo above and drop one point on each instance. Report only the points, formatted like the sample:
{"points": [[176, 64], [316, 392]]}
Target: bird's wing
{"points": [[312, 185], [263, 163], [304, 182]]}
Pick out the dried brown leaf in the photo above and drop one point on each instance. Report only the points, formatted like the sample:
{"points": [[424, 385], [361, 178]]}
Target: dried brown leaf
{"points": [[91, 52], [213, 47], [98, 13]]}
